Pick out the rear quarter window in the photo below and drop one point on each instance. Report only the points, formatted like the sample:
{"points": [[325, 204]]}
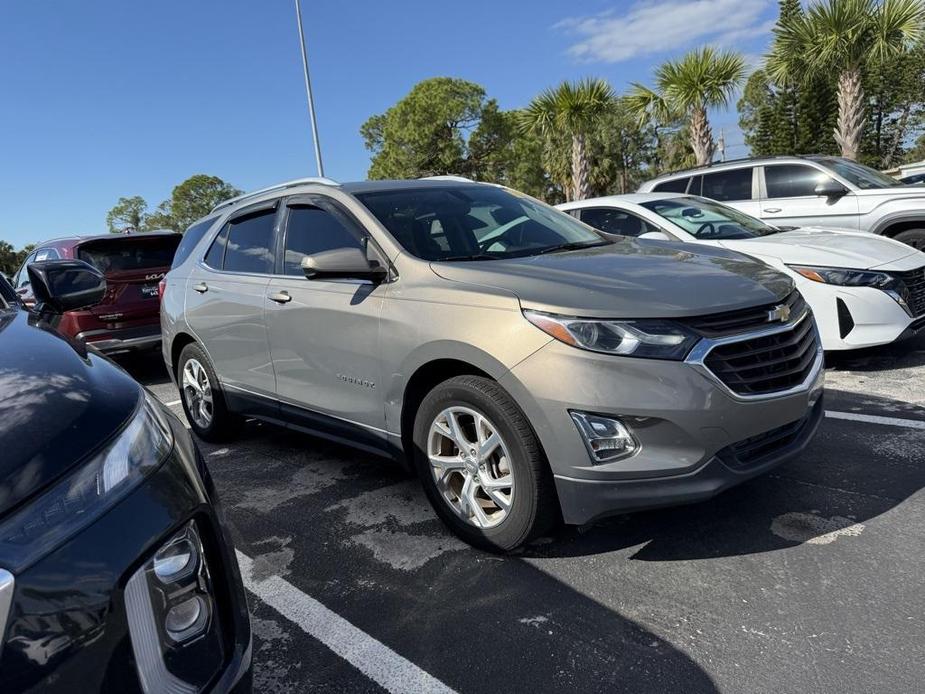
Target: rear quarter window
{"points": [[191, 239], [675, 185]]}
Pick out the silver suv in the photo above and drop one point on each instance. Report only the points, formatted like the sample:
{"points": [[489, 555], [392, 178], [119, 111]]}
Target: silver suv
{"points": [[524, 366], [810, 191]]}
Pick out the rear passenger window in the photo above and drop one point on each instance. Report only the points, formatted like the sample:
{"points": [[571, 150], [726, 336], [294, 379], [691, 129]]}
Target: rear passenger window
{"points": [[792, 180], [728, 185], [246, 244], [676, 185], [216, 254], [613, 221], [312, 230]]}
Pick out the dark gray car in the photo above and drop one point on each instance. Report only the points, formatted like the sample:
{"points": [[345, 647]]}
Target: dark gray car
{"points": [[525, 366]]}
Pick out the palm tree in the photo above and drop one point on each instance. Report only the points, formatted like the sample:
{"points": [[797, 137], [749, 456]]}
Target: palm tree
{"points": [[841, 37], [704, 78], [573, 109]]}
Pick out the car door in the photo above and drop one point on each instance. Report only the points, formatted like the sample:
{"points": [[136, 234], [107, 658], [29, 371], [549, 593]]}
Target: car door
{"points": [[788, 199], [734, 187], [324, 333], [226, 301]]}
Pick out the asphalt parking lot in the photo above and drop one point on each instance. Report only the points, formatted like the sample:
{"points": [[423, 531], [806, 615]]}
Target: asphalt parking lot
{"points": [[807, 579]]}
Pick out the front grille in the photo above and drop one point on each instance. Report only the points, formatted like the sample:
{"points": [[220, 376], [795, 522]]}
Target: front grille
{"points": [[913, 290], [755, 450], [743, 320], [766, 364]]}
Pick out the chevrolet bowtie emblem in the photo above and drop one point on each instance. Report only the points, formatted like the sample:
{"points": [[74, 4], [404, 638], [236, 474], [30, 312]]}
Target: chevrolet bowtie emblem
{"points": [[779, 313]]}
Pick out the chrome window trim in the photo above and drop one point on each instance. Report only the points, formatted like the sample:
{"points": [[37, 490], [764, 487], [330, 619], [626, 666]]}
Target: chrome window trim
{"points": [[702, 349]]}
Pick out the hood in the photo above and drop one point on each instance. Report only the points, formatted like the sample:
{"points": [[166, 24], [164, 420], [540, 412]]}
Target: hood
{"points": [[808, 246], [629, 279], [916, 193], [58, 403]]}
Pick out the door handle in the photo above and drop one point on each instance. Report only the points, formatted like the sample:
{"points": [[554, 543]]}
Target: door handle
{"points": [[772, 210], [280, 297], [202, 287]]}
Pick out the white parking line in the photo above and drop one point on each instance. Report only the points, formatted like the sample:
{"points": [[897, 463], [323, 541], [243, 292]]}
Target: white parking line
{"points": [[173, 402], [876, 419], [371, 657]]}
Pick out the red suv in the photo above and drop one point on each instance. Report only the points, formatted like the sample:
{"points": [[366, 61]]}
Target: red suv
{"points": [[128, 317]]}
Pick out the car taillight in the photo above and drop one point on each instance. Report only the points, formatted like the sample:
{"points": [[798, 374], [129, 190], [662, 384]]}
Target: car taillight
{"points": [[161, 287]]}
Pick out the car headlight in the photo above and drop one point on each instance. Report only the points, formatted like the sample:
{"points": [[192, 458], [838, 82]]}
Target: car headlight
{"points": [[650, 338], [95, 486], [845, 277]]}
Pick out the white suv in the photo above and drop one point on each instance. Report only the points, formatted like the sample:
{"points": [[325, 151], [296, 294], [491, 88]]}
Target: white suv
{"points": [[808, 191]]}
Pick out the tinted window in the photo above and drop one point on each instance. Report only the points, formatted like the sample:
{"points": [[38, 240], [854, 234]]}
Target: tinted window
{"points": [[858, 174], [615, 221], [130, 254], [728, 185], [474, 222], [191, 239], [792, 180], [312, 230], [216, 254], [677, 185], [249, 242]]}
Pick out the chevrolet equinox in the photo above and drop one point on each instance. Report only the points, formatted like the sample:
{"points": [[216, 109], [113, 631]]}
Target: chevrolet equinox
{"points": [[527, 367]]}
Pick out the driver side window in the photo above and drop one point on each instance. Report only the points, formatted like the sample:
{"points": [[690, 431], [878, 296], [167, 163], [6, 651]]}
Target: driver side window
{"points": [[311, 230], [22, 277], [612, 221]]}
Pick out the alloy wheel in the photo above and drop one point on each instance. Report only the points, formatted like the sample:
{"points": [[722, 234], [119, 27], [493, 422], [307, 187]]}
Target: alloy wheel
{"points": [[197, 393], [471, 466]]}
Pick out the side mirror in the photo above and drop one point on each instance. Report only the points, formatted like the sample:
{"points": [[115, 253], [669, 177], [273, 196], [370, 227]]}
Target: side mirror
{"points": [[655, 236], [830, 188], [342, 263], [65, 285]]}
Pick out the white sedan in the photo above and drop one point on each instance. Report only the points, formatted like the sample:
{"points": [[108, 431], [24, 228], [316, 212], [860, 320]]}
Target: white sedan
{"points": [[864, 290]]}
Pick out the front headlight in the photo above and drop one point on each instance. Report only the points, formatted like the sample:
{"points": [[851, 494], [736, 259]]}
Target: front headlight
{"points": [[95, 486], [651, 338], [845, 277]]}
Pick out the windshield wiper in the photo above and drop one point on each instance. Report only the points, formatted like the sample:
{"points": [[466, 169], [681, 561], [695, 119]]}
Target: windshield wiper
{"points": [[572, 246]]}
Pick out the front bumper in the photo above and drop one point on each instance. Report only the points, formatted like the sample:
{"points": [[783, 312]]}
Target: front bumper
{"points": [[67, 628], [683, 419], [873, 317]]}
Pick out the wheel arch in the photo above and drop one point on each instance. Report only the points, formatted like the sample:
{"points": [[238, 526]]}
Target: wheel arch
{"points": [[898, 223], [180, 340]]}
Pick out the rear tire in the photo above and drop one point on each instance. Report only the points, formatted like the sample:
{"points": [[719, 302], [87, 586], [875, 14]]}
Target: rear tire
{"points": [[912, 237], [495, 489], [202, 397]]}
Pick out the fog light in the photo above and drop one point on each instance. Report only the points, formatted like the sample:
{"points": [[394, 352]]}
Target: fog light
{"points": [[606, 438]]}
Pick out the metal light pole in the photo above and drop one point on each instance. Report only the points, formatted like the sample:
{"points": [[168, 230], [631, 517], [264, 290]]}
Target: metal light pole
{"points": [[308, 89]]}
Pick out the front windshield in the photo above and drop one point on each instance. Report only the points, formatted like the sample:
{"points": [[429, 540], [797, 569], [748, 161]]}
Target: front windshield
{"points": [[709, 220], [475, 222], [862, 176]]}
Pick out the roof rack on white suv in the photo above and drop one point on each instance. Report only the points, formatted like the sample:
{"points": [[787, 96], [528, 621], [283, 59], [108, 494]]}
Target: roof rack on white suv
{"points": [[279, 186], [447, 177]]}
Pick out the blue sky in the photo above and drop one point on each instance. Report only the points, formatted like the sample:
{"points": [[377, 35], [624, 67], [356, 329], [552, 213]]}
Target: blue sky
{"points": [[108, 98]]}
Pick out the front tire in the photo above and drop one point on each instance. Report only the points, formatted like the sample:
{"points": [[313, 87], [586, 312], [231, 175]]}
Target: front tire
{"points": [[202, 396], [912, 237], [481, 464]]}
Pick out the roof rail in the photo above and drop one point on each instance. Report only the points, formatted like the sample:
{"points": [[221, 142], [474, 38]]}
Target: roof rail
{"points": [[739, 159], [279, 186], [447, 177]]}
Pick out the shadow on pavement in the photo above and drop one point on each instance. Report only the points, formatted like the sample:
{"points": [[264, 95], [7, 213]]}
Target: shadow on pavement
{"points": [[906, 354]]}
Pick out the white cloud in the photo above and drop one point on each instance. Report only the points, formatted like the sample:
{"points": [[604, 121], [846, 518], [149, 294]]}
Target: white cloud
{"points": [[661, 26]]}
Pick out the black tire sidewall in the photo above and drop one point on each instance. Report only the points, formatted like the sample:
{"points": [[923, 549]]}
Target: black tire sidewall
{"points": [[521, 520], [912, 234], [220, 428]]}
